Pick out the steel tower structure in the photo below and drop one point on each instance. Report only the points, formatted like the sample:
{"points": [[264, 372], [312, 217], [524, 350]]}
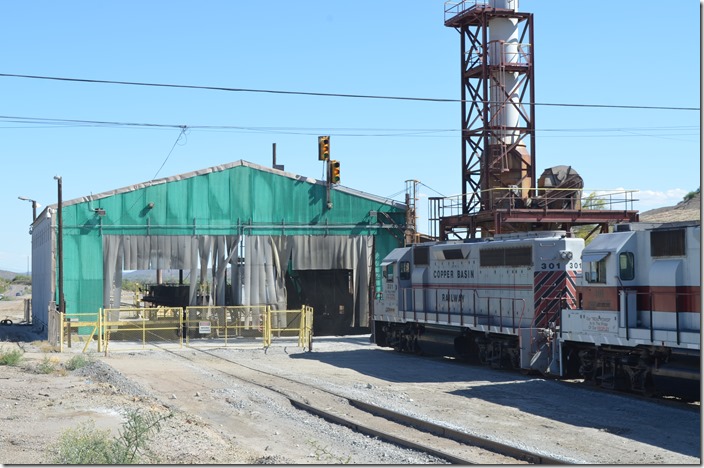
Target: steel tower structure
{"points": [[497, 129], [499, 186]]}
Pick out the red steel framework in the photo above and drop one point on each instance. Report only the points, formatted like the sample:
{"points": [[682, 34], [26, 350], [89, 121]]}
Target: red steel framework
{"points": [[498, 173]]}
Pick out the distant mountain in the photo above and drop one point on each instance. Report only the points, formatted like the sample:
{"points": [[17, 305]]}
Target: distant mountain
{"points": [[9, 275], [149, 276]]}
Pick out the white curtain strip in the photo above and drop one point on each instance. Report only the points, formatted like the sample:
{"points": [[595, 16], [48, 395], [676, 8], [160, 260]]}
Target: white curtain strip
{"points": [[259, 281]]}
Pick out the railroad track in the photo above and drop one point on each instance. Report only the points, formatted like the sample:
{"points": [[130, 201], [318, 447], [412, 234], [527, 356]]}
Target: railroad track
{"points": [[400, 429]]}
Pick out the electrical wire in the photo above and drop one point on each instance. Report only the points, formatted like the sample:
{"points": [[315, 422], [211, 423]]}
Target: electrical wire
{"points": [[308, 93], [38, 122], [427, 186], [182, 134]]}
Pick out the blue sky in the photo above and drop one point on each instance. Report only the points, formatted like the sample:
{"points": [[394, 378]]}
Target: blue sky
{"points": [[632, 53]]}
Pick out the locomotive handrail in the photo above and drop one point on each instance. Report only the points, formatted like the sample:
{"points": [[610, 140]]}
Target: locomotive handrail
{"points": [[488, 308], [652, 328], [650, 309], [515, 311], [514, 300], [620, 289]]}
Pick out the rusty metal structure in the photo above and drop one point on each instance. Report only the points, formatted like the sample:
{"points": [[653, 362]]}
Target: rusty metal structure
{"points": [[500, 191]]}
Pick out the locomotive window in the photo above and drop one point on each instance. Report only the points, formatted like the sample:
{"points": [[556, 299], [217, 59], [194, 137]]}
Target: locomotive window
{"points": [[669, 243], [626, 266], [595, 272], [404, 270], [421, 255], [389, 272], [516, 256]]}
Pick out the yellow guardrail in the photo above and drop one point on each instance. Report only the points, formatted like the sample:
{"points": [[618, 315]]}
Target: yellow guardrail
{"points": [[151, 326], [84, 326], [198, 326], [290, 323]]}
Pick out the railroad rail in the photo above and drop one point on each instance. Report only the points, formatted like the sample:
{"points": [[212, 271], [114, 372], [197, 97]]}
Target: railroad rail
{"points": [[455, 446]]}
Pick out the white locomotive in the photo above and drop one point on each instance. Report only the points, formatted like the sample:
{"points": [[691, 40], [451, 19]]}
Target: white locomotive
{"points": [[639, 323], [494, 299], [623, 311]]}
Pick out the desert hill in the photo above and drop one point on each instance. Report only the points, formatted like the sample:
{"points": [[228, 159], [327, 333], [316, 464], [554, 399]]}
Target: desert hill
{"points": [[686, 210]]}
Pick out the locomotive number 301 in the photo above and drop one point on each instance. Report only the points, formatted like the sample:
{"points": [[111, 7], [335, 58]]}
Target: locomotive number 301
{"points": [[557, 266]]}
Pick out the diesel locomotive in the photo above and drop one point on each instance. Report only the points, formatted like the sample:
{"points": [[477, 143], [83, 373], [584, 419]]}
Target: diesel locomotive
{"points": [[623, 312]]}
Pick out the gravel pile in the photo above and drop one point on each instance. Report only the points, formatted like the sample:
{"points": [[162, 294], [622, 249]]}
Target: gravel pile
{"points": [[101, 372]]}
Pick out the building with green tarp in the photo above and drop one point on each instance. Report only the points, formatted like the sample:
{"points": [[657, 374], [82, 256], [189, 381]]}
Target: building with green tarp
{"points": [[253, 234]]}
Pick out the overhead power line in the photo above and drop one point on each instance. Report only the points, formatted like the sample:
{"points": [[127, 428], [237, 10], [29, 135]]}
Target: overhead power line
{"points": [[38, 122], [308, 93]]}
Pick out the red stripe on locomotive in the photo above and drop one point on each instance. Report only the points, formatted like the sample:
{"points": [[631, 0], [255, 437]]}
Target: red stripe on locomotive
{"points": [[550, 289]]}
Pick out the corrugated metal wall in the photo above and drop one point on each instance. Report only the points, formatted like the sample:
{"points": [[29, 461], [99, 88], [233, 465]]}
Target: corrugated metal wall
{"points": [[43, 267], [235, 199]]}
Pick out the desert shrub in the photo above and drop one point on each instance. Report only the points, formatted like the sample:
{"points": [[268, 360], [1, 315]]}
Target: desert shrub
{"points": [[86, 445], [78, 361], [10, 358], [22, 279], [47, 366], [691, 195]]}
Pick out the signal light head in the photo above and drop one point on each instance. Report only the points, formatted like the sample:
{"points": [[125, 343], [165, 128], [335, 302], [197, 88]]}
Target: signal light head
{"points": [[334, 172], [323, 148]]}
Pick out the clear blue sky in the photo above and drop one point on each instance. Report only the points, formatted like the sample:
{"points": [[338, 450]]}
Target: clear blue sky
{"points": [[635, 53]]}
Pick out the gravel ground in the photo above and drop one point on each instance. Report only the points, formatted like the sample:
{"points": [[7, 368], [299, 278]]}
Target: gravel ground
{"points": [[263, 428], [218, 420]]}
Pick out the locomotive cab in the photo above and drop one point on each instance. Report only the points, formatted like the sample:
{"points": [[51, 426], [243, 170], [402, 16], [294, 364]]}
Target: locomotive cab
{"points": [[607, 266], [396, 277], [640, 278]]}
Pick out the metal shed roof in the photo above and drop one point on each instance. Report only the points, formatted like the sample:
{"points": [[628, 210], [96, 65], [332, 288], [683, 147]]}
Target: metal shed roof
{"points": [[224, 167]]}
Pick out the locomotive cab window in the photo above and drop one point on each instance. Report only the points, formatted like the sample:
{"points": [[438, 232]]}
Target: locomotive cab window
{"points": [[595, 272], [404, 270], [389, 272], [594, 267], [626, 266]]}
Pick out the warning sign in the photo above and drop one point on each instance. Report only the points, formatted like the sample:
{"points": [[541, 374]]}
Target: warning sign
{"points": [[203, 328]]}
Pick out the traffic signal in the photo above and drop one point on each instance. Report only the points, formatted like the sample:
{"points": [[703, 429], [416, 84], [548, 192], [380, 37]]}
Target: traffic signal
{"points": [[334, 172], [323, 148]]}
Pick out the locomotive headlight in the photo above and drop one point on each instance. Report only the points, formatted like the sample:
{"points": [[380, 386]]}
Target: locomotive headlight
{"points": [[565, 255]]}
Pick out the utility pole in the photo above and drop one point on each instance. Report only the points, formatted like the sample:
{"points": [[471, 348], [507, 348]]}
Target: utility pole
{"points": [[62, 304]]}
